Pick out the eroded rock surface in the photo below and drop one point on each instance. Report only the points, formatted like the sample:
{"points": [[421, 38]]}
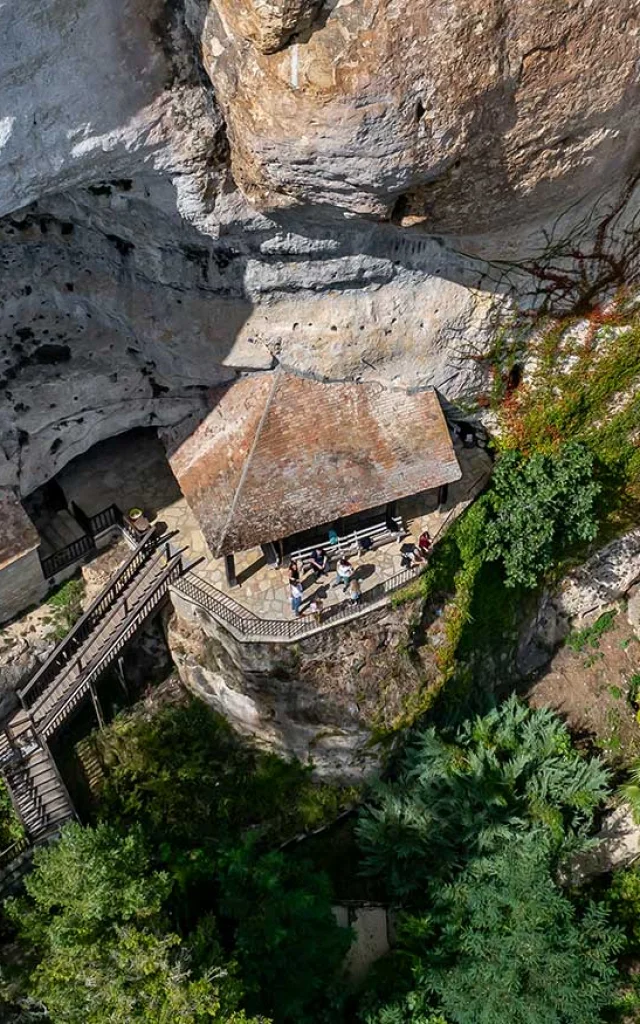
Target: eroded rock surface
{"points": [[321, 700], [584, 595], [466, 117], [354, 189]]}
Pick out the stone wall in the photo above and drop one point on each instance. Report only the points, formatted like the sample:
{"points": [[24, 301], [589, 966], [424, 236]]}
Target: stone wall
{"points": [[319, 700], [21, 584]]}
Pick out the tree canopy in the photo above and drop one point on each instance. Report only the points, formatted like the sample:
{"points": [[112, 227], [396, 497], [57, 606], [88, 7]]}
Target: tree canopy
{"points": [[467, 839], [101, 947], [536, 507]]}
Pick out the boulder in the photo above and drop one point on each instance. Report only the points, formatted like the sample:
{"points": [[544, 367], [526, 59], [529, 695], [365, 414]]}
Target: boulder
{"points": [[581, 598]]}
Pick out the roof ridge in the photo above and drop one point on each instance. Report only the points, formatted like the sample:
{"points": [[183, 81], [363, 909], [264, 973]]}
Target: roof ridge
{"points": [[247, 463]]}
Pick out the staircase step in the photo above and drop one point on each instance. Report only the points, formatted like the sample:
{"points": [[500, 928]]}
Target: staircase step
{"points": [[39, 795]]}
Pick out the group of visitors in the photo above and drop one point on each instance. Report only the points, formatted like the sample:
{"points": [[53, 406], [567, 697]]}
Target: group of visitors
{"points": [[414, 554], [345, 574]]}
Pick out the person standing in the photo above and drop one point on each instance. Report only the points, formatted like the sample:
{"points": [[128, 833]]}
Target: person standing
{"points": [[355, 592], [344, 572], [294, 571], [296, 592]]}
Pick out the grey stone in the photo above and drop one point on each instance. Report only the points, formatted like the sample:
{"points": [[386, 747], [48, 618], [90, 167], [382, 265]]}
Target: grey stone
{"points": [[581, 598], [633, 610]]}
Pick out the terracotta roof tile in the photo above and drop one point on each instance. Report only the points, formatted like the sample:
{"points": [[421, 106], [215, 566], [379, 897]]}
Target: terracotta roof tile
{"points": [[280, 453]]}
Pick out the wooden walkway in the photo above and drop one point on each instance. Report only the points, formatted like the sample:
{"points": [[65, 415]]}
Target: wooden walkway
{"points": [[67, 677]]}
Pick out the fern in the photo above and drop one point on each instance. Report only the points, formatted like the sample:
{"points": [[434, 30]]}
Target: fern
{"points": [[466, 794]]}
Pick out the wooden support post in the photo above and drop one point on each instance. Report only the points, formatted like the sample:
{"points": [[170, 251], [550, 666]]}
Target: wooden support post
{"points": [[443, 494], [122, 677], [269, 552], [230, 570], [96, 706]]}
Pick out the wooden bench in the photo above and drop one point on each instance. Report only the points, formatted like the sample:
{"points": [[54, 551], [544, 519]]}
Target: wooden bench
{"points": [[351, 543]]}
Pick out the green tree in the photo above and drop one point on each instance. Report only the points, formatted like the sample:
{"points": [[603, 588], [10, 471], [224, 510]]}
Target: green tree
{"points": [[537, 507], [502, 942], [465, 794], [194, 787], [99, 947], [11, 829], [287, 942], [133, 976]]}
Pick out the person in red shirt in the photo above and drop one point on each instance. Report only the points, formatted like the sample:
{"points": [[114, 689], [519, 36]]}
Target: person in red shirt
{"points": [[424, 543]]}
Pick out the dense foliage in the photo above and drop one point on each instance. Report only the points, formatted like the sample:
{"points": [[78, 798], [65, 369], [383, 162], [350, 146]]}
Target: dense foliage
{"points": [[468, 839], [184, 776], [583, 386], [10, 825], [289, 950], [537, 507], [176, 906], [100, 945], [503, 943]]}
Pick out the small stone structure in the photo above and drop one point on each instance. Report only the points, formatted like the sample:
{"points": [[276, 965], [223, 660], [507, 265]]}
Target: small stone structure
{"points": [[21, 579], [372, 939]]}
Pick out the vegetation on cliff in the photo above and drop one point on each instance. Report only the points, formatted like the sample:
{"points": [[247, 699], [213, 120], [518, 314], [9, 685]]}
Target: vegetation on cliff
{"points": [[203, 917]]}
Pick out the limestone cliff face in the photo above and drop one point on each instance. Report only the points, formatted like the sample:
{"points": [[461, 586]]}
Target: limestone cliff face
{"points": [[354, 189], [321, 700], [466, 116]]}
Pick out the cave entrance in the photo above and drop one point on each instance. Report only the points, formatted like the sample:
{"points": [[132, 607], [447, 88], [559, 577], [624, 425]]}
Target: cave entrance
{"points": [[74, 511]]}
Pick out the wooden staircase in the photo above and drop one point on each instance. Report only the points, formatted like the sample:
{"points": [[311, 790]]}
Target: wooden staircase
{"points": [[68, 676], [38, 793]]}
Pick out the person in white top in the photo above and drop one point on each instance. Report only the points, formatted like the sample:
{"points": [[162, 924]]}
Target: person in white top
{"points": [[344, 572]]}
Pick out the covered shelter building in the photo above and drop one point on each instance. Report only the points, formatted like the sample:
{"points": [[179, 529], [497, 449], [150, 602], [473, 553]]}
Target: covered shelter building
{"points": [[286, 460]]}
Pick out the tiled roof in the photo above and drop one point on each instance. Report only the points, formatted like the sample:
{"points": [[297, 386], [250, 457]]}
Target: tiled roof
{"points": [[279, 454], [18, 534]]}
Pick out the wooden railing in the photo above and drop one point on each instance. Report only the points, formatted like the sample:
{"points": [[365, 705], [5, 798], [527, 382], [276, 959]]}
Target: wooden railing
{"points": [[103, 659], [78, 549], [110, 516], [250, 628], [74, 552], [74, 640], [12, 852]]}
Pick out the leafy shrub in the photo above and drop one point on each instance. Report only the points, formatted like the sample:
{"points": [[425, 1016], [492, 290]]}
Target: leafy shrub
{"points": [[537, 507], [11, 829], [187, 779], [66, 602], [467, 794]]}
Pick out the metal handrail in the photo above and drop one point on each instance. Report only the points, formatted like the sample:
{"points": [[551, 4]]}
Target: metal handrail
{"points": [[66, 556], [105, 600], [252, 628], [109, 516], [104, 658]]}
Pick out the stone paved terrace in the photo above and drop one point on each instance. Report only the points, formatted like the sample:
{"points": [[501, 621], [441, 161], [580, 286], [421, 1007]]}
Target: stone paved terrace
{"points": [[133, 471]]}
